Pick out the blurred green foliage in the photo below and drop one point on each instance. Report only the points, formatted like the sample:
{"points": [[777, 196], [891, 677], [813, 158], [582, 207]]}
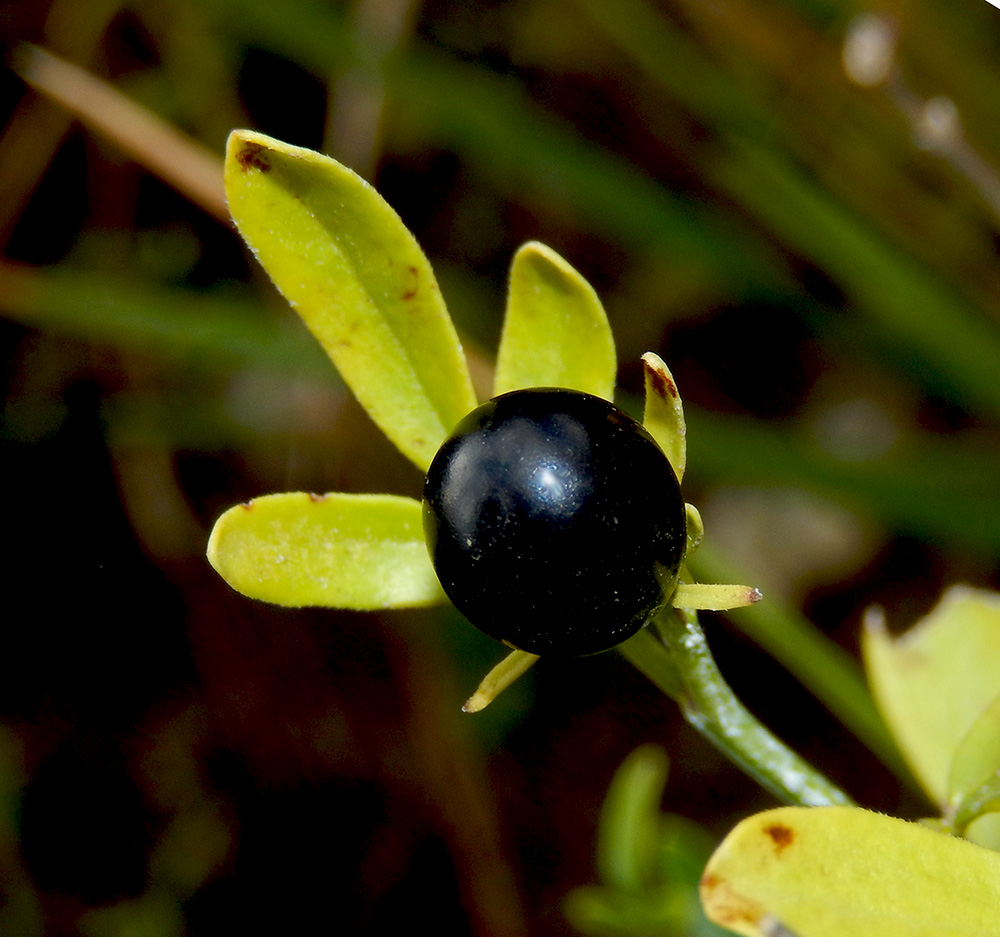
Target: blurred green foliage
{"points": [[650, 863]]}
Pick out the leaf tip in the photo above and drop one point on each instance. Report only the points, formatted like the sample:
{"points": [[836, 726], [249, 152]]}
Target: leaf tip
{"points": [[476, 703], [538, 249], [248, 151], [513, 666], [550, 263], [659, 377]]}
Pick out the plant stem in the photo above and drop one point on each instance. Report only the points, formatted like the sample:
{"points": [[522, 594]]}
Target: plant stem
{"points": [[673, 653], [823, 667]]}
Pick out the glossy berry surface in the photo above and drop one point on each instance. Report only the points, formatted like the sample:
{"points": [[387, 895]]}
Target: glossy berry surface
{"points": [[554, 521]]}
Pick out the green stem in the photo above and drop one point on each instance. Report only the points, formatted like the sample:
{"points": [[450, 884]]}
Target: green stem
{"points": [[673, 653], [821, 665]]}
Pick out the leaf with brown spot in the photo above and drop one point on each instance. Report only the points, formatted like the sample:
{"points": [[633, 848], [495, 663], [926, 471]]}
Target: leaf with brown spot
{"points": [[350, 268], [848, 872], [663, 416], [252, 156], [782, 836]]}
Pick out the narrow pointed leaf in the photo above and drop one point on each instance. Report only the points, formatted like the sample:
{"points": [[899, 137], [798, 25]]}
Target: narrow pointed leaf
{"points": [[514, 666], [663, 416], [350, 268], [335, 550], [847, 872], [974, 781], [555, 332], [714, 597]]}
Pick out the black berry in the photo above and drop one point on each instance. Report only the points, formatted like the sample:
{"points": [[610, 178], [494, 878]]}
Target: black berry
{"points": [[554, 521]]}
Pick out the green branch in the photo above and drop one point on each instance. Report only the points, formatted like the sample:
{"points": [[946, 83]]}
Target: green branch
{"points": [[673, 653]]}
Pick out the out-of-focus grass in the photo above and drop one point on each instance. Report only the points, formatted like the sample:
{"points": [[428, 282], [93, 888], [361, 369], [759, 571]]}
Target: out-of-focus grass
{"points": [[177, 325], [699, 162]]}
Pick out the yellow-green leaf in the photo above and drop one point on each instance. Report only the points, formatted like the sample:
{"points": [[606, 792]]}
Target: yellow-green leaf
{"points": [[555, 332], [663, 416], [847, 872], [336, 550], [974, 782], [933, 682], [350, 268]]}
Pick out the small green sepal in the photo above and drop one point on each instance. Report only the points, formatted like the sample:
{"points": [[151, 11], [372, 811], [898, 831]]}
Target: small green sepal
{"points": [[714, 597], [514, 666], [663, 416], [695, 528]]}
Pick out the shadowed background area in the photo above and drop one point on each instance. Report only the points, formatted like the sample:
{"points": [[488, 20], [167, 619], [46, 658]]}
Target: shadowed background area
{"points": [[794, 202]]}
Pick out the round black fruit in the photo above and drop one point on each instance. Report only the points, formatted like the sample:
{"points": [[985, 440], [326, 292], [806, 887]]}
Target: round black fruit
{"points": [[554, 521]]}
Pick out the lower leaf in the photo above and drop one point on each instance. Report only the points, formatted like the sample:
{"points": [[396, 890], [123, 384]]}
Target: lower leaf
{"points": [[336, 550], [848, 872]]}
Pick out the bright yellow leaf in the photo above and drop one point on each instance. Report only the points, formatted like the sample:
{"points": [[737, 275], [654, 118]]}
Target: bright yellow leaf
{"points": [[848, 872]]}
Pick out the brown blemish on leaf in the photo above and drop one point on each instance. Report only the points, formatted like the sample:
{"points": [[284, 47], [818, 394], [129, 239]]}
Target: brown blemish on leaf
{"points": [[253, 156], [782, 836], [315, 498], [662, 384], [412, 290], [725, 906]]}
